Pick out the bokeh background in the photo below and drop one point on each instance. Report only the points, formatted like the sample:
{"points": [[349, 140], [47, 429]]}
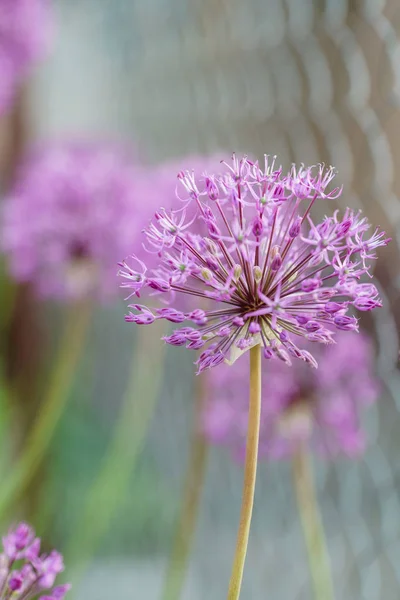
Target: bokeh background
{"points": [[310, 81]]}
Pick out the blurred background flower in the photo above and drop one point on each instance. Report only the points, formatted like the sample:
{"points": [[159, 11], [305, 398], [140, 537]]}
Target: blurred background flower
{"points": [[311, 81], [322, 407], [25, 33], [75, 208]]}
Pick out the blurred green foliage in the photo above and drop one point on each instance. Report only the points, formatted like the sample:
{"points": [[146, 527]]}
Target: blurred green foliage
{"points": [[142, 524]]}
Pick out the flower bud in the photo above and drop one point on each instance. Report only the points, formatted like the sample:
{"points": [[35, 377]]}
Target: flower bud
{"points": [[346, 323], [310, 285], [237, 272], [294, 229], [254, 327], [257, 272], [364, 303], [343, 228], [211, 246], [238, 321], [333, 307], [258, 227], [206, 274], [276, 262], [312, 326]]}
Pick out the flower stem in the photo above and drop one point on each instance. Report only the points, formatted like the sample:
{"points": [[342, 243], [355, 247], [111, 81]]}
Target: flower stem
{"points": [[307, 503], [194, 479], [111, 484], [250, 472], [52, 407]]}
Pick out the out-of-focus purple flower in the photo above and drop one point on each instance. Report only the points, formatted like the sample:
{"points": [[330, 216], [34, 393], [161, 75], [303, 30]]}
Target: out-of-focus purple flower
{"points": [[18, 541], [24, 572], [25, 33], [245, 241], [320, 406], [75, 209]]}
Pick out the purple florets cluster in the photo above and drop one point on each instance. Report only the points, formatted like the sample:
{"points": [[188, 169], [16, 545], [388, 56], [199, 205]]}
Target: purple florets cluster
{"points": [[244, 241], [25, 573], [70, 216], [25, 31], [321, 407]]}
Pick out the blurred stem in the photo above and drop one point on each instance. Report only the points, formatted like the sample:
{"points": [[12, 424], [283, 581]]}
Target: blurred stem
{"points": [[112, 482], [191, 496], [16, 132], [51, 408], [250, 472], [311, 521], [8, 295]]}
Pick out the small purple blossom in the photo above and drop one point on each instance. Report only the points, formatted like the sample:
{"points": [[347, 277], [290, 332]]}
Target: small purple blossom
{"points": [[24, 572], [19, 541], [244, 244], [25, 32], [320, 406]]}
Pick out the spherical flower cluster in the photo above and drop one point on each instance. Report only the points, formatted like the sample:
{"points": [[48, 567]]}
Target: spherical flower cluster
{"points": [[321, 406], [75, 209], [274, 276], [25, 27], [26, 574]]}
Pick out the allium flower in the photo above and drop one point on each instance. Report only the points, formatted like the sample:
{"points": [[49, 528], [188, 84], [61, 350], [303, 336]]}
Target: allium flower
{"points": [[273, 275], [321, 406], [25, 573], [71, 216], [25, 27]]}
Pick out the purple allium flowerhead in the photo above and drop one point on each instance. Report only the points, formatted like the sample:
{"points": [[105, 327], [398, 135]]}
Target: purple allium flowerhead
{"points": [[275, 276], [25, 33], [319, 406], [75, 209], [24, 572]]}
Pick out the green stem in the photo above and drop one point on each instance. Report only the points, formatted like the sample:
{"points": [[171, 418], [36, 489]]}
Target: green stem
{"points": [[112, 482], [193, 486], [51, 409], [318, 556], [250, 472]]}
